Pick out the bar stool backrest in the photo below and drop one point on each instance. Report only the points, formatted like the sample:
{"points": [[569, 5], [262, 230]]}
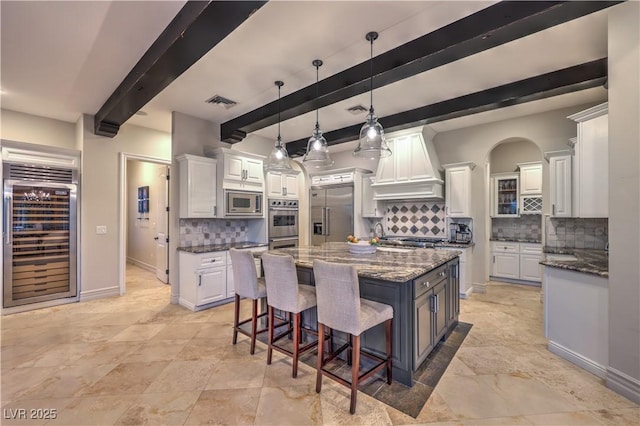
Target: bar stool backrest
{"points": [[245, 278], [281, 279], [338, 294]]}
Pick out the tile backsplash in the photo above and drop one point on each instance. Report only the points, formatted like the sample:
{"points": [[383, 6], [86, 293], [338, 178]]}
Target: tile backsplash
{"points": [[576, 233], [199, 232], [414, 219], [525, 227]]}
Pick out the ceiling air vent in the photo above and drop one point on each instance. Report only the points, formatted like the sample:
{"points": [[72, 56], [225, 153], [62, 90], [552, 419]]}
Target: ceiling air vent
{"points": [[358, 109], [221, 100]]}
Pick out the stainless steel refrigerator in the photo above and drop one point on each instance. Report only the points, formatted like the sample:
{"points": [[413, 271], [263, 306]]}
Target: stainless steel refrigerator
{"points": [[331, 213]]}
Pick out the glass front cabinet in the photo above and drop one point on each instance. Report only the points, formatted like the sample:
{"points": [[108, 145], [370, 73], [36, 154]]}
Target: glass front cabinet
{"points": [[505, 195]]}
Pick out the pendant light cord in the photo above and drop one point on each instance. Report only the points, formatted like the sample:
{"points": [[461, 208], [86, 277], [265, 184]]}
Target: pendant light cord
{"points": [[317, 64], [371, 79], [279, 138]]}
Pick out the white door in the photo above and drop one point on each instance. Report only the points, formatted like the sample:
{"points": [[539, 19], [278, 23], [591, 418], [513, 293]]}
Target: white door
{"points": [[162, 225]]}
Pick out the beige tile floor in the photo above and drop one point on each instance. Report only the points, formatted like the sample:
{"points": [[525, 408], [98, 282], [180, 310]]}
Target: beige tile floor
{"points": [[139, 360]]}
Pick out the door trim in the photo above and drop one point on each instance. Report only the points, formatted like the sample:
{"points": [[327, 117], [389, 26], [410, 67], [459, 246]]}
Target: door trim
{"points": [[122, 234]]}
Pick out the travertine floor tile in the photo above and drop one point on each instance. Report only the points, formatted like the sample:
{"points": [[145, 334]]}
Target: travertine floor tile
{"points": [[98, 410], [568, 419], [171, 408], [33, 412], [182, 376], [156, 350], [238, 374], [225, 407], [292, 405], [138, 332], [624, 416], [335, 400], [127, 378], [68, 381]]}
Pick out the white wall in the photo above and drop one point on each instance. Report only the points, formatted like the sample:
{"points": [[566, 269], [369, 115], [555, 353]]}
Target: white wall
{"points": [[141, 229], [100, 201], [623, 374], [505, 157], [21, 127]]}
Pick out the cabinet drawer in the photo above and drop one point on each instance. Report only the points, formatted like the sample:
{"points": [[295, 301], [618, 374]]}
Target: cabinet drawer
{"points": [[530, 248], [218, 258], [429, 280], [505, 247]]}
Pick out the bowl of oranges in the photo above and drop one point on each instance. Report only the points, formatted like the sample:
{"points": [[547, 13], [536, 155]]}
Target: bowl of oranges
{"points": [[362, 246]]}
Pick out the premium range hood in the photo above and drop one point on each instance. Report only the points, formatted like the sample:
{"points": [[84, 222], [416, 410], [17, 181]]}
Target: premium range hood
{"points": [[412, 171]]}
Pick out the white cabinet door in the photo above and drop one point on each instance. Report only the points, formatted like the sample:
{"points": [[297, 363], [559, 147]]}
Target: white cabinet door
{"points": [[254, 172], [211, 285], [370, 207], [594, 167], [197, 186], [458, 192], [506, 265], [233, 167], [560, 185], [530, 268], [506, 198], [274, 185], [290, 184], [531, 178]]}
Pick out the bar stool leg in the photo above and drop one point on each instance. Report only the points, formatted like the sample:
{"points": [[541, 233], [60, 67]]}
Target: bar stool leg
{"points": [[355, 367], [254, 326], [236, 319], [389, 333], [296, 343], [271, 327], [320, 357]]}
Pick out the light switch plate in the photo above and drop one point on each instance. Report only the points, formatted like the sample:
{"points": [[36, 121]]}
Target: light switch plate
{"points": [[101, 229]]}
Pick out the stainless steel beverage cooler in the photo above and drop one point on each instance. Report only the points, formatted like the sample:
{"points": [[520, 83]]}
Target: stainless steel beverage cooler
{"points": [[40, 233]]}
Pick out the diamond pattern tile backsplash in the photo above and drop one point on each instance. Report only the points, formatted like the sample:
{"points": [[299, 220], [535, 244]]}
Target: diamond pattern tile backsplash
{"points": [[202, 232], [576, 233], [525, 227], [416, 219]]}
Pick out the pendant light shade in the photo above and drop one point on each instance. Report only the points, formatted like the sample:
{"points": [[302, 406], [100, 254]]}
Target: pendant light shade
{"points": [[278, 158], [372, 144], [317, 155]]}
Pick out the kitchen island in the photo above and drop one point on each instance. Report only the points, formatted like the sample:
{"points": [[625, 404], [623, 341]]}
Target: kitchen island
{"points": [[420, 284]]}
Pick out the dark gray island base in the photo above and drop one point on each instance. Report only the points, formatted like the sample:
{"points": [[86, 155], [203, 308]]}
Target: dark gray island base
{"points": [[421, 285]]}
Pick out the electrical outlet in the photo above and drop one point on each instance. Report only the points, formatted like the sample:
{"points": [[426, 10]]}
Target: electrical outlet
{"points": [[101, 229]]}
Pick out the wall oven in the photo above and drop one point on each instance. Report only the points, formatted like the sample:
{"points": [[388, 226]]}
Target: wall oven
{"points": [[241, 203], [283, 218]]}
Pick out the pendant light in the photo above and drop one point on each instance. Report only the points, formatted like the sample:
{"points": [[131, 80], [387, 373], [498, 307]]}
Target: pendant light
{"points": [[317, 154], [279, 158], [372, 144]]}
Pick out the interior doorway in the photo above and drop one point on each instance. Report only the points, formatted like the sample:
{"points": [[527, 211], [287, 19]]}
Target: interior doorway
{"points": [[144, 216]]}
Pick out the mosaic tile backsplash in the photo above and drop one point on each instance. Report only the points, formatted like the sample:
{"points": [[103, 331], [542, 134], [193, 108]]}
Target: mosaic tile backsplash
{"points": [[525, 227], [202, 232], [576, 233], [417, 219]]}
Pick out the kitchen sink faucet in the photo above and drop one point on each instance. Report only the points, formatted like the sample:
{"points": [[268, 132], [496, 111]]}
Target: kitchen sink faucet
{"points": [[375, 230]]}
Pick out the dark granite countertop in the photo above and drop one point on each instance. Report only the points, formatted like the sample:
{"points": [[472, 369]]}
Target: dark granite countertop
{"points": [[447, 244], [588, 261], [382, 265], [222, 247], [516, 240]]}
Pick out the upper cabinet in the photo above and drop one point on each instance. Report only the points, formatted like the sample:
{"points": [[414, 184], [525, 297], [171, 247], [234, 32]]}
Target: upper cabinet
{"points": [[240, 170], [197, 186], [505, 195], [591, 163], [560, 182], [283, 185], [458, 189], [530, 187]]}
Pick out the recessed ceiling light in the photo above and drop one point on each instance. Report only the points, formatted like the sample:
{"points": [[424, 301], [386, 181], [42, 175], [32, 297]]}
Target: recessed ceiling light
{"points": [[141, 112]]}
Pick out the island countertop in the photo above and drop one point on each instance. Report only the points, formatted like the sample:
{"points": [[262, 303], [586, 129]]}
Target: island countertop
{"points": [[382, 265], [210, 248], [588, 261]]}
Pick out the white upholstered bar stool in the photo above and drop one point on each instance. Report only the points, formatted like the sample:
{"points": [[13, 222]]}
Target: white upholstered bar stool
{"points": [[286, 294], [341, 308], [249, 286]]}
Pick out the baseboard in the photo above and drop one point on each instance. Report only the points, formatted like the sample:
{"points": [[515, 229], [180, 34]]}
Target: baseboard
{"points": [[38, 305], [140, 264], [99, 294], [187, 304], [479, 288], [466, 294], [512, 281], [623, 384], [175, 299], [577, 359]]}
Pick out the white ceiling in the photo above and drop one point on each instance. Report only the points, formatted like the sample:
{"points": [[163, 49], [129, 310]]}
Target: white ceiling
{"points": [[62, 59]]}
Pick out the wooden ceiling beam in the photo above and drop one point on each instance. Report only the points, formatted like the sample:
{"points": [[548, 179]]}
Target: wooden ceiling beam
{"points": [[567, 80], [496, 25], [195, 30]]}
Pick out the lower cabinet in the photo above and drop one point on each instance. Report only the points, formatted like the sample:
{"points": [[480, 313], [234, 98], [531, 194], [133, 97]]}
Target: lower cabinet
{"points": [[516, 261], [453, 292], [430, 312], [204, 279]]}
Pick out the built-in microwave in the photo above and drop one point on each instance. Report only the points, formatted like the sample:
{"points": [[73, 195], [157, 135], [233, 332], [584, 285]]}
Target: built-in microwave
{"points": [[241, 203]]}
